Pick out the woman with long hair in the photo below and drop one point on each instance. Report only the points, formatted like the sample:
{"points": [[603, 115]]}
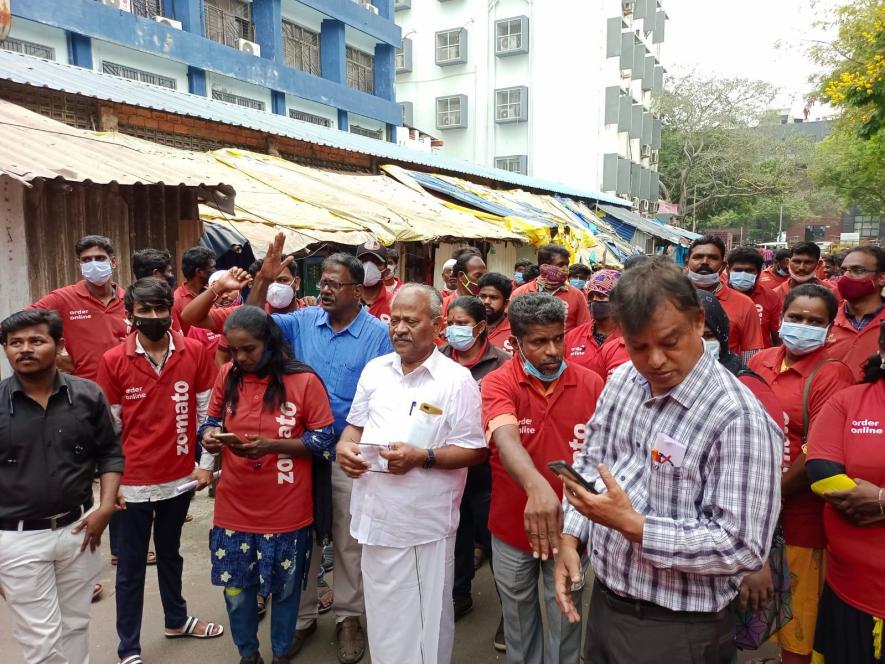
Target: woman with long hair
{"points": [[270, 418]]}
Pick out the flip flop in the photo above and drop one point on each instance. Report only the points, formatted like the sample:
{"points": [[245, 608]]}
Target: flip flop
{"points": [[151, 559], [96, 591], [190, 625], [132, 659]]}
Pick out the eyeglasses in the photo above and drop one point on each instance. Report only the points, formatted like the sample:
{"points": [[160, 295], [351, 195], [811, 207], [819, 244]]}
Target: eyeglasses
{"points": [[334, 286], [857, 270]]}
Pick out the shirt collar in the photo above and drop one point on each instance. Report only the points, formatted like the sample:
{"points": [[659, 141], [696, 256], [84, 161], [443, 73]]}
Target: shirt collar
{"points": [[431, 364], [354, 327], [692, 387], [139, 349], [84, 291], [59, 383]]}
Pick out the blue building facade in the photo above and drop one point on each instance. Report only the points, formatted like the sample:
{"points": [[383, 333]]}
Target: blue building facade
{"points": [[326, 62]]}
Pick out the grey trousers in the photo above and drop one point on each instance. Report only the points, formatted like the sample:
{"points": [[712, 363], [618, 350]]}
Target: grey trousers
{"points": [[516, 574], [614, 637]]}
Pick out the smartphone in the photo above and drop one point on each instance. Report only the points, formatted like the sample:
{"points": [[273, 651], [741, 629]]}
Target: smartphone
{"points": [[227, 438], [563, 468]]}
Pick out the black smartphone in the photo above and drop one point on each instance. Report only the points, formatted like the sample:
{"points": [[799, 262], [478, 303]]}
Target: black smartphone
{"points": [[563, 468]]}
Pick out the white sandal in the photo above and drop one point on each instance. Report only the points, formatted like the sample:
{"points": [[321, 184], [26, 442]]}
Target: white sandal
{"points": [[189, 628]]}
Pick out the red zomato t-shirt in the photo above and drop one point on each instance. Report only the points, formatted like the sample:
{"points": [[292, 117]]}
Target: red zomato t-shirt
{"points": [[576, 310], [551, 428], [159, 411], [802, 513], [610, 356], [181, 297], [581, 347], [768, 308], [850, 430], [745, 334], [90, 327], [771, 279], [271, 494], [500, 335], [852, 347], [380, 308]]}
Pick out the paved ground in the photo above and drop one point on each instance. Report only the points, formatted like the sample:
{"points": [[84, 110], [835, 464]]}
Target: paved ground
{"points": [[473, 637]]}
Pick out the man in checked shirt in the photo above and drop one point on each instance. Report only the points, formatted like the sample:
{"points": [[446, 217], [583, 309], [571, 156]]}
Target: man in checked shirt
{"points": [[688, 466]]}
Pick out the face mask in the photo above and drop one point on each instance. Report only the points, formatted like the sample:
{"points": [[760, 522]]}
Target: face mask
{"points": [[280, 296], [803, 339], [854, 289], [470, 285], [172, 281], [600, 310], [742, 281], [530, 369], [713, 347], [703, 279], [799, 279], [153, 328], [372, 274], [460, 337], [781, 272], [578, 283], [392, 269], [97, 273], [553, 276], [518, 278]]}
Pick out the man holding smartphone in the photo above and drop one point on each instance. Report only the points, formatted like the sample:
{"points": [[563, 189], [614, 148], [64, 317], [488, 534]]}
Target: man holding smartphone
{"points": [[535, 408]]}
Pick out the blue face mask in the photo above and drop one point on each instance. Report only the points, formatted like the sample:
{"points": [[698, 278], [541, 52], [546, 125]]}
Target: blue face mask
{"points": [[518, 278], [530, 369], [803, 339], [460, 337], [742, 281], [578, 283]]}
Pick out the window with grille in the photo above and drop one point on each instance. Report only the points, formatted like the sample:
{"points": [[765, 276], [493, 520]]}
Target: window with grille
{"points": [[231, 98], [867, 227], [140, 75], [511, 105], [514, 163], [360, 70], [28, 48], [228, 21], [511, 36], [451, 112], [451, 47], [147, 8], [302, 48], [309, 117], [371, 133]]}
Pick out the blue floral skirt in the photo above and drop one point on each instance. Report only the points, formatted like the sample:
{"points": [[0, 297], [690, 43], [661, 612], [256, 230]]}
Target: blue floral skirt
{"points": [[244, 560]]}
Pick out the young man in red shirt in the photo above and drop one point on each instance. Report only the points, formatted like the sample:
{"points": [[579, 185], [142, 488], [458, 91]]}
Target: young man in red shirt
{"points": [[494, 293], [375, 295], [535, 410], [853, 337], [197, 265], [778, 272], [91, 310], [804, 266], [744, 267], [553, 260], [706, 259], [158, 385], [583, 342]]}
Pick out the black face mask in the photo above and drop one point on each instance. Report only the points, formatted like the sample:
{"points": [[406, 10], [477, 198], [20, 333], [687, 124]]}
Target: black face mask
{"points": [[600, 310], [172, 281], [153, 328]]}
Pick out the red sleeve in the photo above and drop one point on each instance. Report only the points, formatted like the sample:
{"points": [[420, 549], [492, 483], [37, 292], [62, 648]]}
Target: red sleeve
{"points": [[316, 409], [597, 363], [219, 315], [831, 378], [107, 381], [497, 395], [773, 306], [583, 311], [216, 401], [49, 301], [825, 437]]}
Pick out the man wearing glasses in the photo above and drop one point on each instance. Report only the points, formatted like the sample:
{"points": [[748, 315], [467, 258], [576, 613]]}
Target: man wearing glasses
{"points": [[854, 335], [91, 310], [337, 338]]}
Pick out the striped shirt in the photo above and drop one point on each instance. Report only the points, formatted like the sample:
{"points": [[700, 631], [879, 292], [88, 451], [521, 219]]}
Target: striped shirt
{"points": [[708, 519]]}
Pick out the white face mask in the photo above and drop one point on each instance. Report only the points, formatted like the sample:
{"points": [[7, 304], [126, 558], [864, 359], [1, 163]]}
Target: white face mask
{"points": [[97, 273], [280, 296], [713, 347], [703, 279], [392, 268], [800, 279], [372, 274]]}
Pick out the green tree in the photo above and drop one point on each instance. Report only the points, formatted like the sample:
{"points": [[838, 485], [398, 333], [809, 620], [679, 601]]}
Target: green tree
{"points": [[852, 167]]}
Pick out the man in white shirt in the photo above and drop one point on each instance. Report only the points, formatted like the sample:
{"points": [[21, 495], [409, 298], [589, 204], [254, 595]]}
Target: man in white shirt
{"points": [[413, 429]]}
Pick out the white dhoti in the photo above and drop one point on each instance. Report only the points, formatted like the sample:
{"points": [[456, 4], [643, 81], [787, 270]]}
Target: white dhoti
{"points": [[408, 595]]}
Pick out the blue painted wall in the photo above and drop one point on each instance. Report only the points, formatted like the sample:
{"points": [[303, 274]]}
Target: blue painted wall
{"points": [[87, 19]]}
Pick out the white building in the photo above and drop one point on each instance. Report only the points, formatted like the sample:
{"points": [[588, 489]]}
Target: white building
{"points": [[558, 89]]}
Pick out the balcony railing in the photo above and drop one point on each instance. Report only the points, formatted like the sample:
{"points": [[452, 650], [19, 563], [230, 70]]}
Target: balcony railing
{"points": [[227, 27], [147, 8]]}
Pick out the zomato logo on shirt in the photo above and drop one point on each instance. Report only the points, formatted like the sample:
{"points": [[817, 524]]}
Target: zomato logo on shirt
{"points": [[182, 415], [79, 314], [286, 420], [866, 426], [525, 426]]}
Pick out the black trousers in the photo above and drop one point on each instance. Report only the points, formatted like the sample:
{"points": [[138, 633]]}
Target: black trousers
{"points": [[615, 636], [134, 531], [473, 527]]}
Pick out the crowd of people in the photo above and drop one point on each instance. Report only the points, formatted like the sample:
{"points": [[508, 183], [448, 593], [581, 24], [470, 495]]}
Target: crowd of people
{"points": [[661, 427]]}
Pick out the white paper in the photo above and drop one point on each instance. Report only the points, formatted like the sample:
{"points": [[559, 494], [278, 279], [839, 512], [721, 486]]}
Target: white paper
{"points": [[190, 486]]}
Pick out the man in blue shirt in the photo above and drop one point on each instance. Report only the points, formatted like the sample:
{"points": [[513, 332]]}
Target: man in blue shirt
{"points": [[337, 338]]}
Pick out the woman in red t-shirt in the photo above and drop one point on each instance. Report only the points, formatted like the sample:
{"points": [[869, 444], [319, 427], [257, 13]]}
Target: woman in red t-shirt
{"points": [[847, 443], [269, 416], [803, 361]]}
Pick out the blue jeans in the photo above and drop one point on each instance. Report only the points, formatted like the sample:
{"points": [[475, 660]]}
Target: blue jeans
{"points": [[242, 610]]}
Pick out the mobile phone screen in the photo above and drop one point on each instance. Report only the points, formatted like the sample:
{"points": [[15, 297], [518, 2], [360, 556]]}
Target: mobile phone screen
{"points": [[563, 468]]}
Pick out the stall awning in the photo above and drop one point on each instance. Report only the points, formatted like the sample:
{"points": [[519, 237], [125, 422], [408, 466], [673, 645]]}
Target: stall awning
{"points": [[642, 224]]}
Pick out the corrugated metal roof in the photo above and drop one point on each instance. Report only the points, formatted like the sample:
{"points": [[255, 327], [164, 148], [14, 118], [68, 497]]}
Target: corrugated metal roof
{"points": [[28, 70], [34, 146], [643, 224]]}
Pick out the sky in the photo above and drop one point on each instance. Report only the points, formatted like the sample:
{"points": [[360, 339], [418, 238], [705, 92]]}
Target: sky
{"points": [[757, 39]]}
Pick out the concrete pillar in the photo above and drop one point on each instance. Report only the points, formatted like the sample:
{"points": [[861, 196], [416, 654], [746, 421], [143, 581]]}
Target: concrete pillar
{"points": [[196, 81], [385, 71], [268, 19], [278, 102], [333, 56], [189, 12], [79, 50], [343, 122]]}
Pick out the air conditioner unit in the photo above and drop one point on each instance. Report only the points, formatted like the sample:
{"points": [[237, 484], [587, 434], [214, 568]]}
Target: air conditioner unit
{"points": [[635, 202], [654, 156], [504, 114], [367, 5], [247, 46], [643, 205], [170, 22], [645, 151], [508, 43], [122, 5], [447, 120]]}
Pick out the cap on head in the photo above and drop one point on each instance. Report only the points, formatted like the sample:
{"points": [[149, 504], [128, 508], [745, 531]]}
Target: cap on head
{"points": [[449, 264], [603, 282], [372, 248]]}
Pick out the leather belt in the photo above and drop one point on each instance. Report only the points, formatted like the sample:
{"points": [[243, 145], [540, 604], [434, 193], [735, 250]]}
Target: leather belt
{"points": [[51, 523], [643, 609]]}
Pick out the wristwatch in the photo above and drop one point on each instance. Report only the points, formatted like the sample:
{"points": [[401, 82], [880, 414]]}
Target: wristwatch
{"points": [[430, 461]]}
